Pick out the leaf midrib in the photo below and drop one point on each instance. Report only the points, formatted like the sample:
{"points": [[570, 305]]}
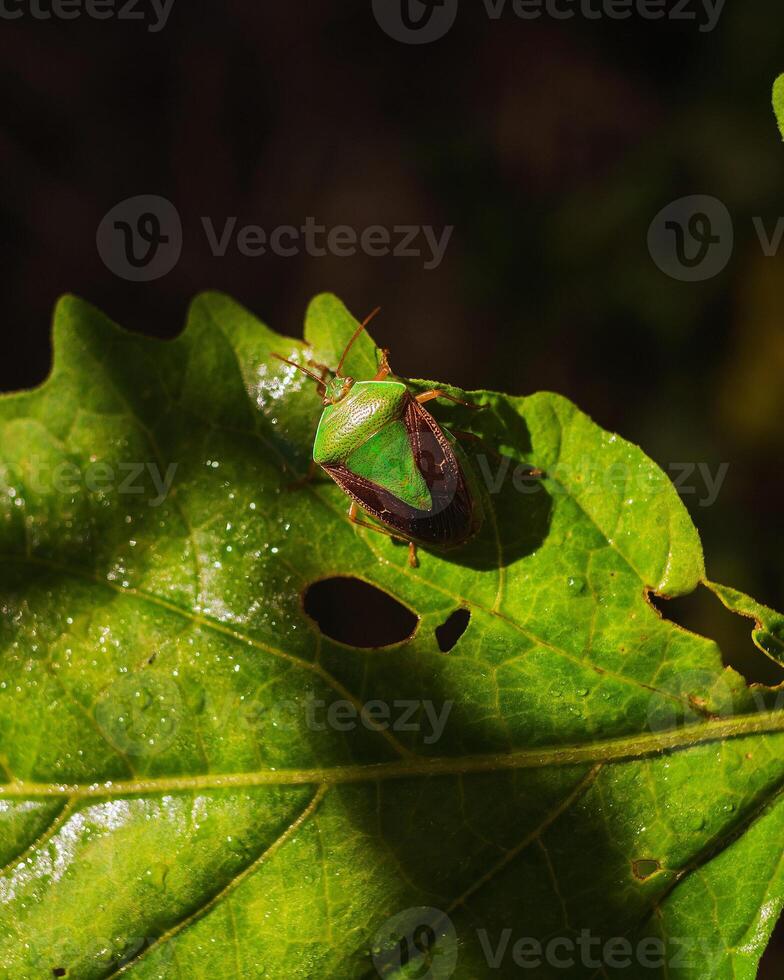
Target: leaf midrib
{"points": [[614, 750]]}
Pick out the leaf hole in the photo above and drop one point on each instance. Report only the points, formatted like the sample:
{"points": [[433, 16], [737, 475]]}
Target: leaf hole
{"points": [[450, 631], [358, 614], [703, 613], [645, 868], [59, 971]]}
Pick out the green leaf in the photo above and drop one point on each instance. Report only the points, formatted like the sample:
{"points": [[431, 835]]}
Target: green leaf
{"points": [[778, 102], [768, 632], [185, 790]]}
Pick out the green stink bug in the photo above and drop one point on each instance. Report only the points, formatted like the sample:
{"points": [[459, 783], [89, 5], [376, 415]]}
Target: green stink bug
{"points": [[390, 456]]}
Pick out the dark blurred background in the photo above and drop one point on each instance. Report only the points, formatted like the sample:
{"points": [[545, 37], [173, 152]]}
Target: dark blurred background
{"points": [[549, 145]]}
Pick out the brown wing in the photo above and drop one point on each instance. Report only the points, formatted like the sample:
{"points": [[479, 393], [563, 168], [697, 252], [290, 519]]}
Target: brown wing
{"points": [[451, 519]]}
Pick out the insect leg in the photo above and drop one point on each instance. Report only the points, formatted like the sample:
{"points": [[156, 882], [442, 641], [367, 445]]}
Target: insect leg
{"points": [[383, 369], [352, 516], [427, 396], [307, 478]]}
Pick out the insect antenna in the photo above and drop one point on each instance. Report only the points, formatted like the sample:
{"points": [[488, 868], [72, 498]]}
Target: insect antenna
{"points": [[356, 333], [319, 381]]}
